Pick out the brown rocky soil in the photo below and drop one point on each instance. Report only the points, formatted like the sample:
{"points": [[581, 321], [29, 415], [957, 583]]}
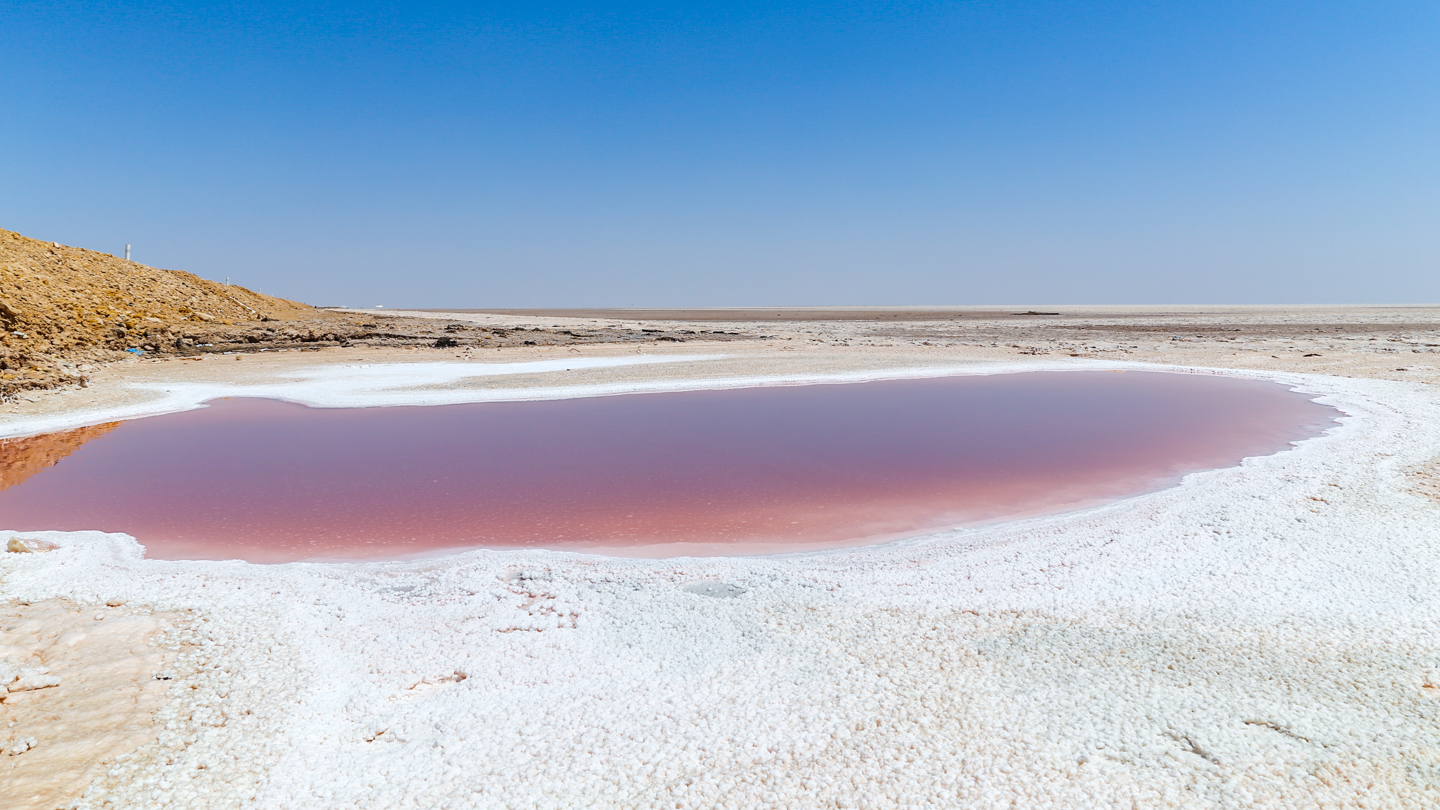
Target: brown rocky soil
{"points": [[63, 307], [64, 311]]}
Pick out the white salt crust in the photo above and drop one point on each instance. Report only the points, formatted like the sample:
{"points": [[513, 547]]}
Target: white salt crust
{"points": [[359, 385], [1261, 636]]}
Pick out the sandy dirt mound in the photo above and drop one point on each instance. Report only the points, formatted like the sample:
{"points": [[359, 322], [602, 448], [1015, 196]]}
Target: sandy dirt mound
{"points": [[63, 306], [65, 311]]}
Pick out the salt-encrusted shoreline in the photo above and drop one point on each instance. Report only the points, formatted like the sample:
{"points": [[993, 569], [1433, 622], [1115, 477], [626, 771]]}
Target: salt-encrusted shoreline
{"points": [[1265, 635], [392, 384]]}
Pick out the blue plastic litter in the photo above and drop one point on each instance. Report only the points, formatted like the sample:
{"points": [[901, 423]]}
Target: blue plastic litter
{"points": [[135, 351]]}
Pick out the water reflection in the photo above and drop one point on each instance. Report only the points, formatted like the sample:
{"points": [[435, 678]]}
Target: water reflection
{"points": [[22, 458]]}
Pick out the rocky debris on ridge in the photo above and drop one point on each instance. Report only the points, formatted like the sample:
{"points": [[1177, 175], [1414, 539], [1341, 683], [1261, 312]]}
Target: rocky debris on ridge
{"points": [[62, 308], [346, 329], [65, 311]]}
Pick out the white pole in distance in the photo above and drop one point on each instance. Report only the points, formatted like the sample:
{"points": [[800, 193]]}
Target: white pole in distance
{"points": [[127, 251]]}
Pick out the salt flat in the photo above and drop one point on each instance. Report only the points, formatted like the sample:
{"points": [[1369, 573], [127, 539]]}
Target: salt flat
{"points": [[1264, 635]]}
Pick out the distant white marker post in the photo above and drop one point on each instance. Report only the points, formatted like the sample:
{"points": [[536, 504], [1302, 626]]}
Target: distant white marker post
{"points": [[127, 251]]}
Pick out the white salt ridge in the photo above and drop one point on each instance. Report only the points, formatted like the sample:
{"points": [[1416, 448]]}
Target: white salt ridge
{"points": [[349, 386], [392, 384], [1261, 636]]}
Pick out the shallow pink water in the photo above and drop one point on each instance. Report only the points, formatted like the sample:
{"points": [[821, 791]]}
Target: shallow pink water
{"points": [[741, 471]]}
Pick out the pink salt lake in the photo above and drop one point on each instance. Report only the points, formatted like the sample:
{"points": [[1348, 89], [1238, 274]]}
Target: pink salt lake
{"points": [[756, 470]]}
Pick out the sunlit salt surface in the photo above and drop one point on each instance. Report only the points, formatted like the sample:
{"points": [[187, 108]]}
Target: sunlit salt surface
{"points": [[756, 470]]}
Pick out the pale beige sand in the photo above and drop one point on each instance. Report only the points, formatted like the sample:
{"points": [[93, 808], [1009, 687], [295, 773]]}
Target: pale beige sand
{"points": [[106, 659]]}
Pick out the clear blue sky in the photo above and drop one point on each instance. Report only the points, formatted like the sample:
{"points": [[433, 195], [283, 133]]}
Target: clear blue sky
{"points": [[652, 154]]}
